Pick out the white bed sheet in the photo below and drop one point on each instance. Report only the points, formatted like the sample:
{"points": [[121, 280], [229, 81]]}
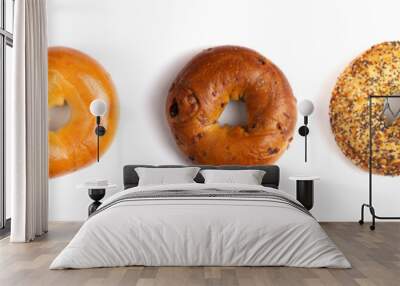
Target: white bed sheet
{"points": [[189, 232]]}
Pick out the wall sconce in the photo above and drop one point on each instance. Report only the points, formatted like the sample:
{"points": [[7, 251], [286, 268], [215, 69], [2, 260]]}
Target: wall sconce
{"points": [[306, 108], [98, 108]]}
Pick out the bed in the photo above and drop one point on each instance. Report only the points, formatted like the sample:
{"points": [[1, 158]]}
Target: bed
{"points": [[201, 224]]}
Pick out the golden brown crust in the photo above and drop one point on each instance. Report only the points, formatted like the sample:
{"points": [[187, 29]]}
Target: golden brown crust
{"points": [[77, 79], [204, 87], [375, 72]]}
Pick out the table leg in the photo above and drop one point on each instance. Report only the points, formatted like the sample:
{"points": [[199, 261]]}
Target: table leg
{"points": [[96, 195], [305, 193]]}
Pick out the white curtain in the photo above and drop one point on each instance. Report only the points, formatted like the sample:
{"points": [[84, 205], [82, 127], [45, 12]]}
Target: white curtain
{"points": [[27, 158]]}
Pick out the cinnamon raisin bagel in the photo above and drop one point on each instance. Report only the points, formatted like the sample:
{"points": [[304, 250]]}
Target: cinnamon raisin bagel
{"points": [[205, 86], [375, 72]]}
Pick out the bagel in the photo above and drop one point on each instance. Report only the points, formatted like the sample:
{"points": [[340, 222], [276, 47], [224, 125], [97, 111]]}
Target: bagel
{"points": [[74, 80], [375, 72], [203, 89]]}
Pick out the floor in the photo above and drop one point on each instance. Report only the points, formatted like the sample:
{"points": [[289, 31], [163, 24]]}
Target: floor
{"points": [[375, 257]]}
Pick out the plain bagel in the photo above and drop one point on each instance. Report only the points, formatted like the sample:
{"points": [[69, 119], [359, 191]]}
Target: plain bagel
{"points": [[75, 79]]}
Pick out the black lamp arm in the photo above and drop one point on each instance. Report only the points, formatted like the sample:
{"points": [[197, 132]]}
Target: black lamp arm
{"points": [[304, 131], [100, 131]]}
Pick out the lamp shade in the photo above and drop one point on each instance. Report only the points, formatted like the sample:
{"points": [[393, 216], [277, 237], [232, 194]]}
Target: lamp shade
{"points": [[98, 107], [306, 107]]}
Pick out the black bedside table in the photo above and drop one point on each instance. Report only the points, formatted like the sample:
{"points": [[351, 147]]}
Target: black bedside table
{"points": [[96, 193], [305, 190]]}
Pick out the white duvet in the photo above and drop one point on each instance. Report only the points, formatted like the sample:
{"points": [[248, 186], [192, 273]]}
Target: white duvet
{"points": [[199, 231]]}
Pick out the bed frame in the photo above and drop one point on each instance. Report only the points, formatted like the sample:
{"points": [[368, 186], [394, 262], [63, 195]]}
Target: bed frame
{"points": [[270, 179]]}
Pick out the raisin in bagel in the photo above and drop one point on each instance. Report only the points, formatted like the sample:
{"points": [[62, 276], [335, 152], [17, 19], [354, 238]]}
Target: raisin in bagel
{"points": [[375, 72], [76, 79], [204, 87]]}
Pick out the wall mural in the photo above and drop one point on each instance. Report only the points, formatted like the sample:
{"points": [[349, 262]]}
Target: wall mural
{"points": [[75, 79], [375, 72], [203, 89]]}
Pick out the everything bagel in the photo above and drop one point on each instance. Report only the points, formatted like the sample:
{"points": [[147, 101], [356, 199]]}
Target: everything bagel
{"points": [[375, 72], [203, 89]]}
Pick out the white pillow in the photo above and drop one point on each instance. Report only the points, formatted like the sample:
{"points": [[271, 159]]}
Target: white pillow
{"points": [[248, 177], [163, 176]]}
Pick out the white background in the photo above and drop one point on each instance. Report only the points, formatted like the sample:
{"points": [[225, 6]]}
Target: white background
{"points": [[143, 44]]}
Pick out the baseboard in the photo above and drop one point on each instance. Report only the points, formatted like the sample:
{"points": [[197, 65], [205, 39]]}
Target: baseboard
{"points": [[5, 231]]}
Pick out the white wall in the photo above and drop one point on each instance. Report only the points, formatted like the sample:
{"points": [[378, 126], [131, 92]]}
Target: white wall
{"points": [[143, 44]]}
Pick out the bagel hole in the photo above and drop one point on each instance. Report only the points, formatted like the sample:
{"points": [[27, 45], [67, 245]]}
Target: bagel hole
{"points": [[235, 113], [392, 114], [59, 116]]}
